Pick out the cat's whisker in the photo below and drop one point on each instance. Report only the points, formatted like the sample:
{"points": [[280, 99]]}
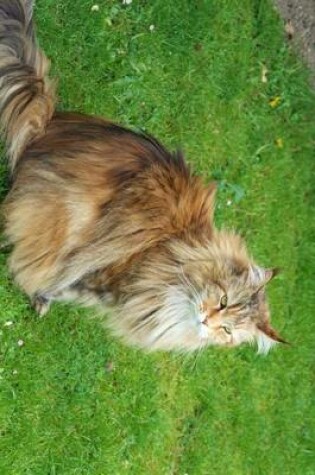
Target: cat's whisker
{"points": [[197, 355], [145, 320], [189, 282], [165, 331]]}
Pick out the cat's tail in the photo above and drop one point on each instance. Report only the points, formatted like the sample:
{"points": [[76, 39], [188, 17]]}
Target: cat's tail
{"points": [[27, 96]]}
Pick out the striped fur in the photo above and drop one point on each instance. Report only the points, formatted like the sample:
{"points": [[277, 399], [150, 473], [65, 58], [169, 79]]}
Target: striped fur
{"points": [[102, 215], [27, 95]]}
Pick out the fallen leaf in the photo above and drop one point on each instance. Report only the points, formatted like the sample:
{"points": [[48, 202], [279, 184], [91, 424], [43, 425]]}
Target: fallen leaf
{"points": [[275, 101], [279, 142]]}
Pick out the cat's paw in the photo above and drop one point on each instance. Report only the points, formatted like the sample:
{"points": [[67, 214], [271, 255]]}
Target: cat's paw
{"points": [[41, 305]]}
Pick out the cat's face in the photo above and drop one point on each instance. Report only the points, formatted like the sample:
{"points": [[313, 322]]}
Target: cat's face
{"points": [[198, 312], [221, 300], [235, 312]]}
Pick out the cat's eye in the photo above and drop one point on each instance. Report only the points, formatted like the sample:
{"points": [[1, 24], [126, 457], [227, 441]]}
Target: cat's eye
{"points": [[223, 302], [227, 330]]}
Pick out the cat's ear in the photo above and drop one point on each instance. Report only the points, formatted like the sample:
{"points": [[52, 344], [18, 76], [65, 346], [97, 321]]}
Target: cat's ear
{"points": [[258, 277], [267, 337]]}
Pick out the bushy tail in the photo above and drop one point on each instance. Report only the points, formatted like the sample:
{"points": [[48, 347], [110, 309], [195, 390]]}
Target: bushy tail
{"points": [[26, 94]]}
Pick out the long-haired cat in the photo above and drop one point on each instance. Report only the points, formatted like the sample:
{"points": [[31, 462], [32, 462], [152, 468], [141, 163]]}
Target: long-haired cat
{"points": [[101, 214]]}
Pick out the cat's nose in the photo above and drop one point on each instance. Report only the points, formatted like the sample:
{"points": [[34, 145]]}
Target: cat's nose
{"points": [[205, 319], [206, 316], [212, 312], [209, 310]]}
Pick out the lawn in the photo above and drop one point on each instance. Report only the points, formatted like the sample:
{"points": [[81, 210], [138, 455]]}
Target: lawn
{"points": [[73, 400]]}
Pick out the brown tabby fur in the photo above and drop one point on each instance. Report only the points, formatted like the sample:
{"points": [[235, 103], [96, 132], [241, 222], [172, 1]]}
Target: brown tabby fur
{"points": [[104, 215]]}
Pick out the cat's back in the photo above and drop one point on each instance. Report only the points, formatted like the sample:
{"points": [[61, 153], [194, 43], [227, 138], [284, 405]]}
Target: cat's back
{"points": [[102, 161], [88, 184], [84, 159], [83, 147]]}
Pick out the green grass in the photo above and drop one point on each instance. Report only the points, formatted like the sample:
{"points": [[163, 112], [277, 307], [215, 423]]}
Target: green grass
{"points": [[73, 400]]}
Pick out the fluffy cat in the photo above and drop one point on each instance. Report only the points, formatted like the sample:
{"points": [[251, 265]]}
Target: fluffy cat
{"points": [[103, 215]]}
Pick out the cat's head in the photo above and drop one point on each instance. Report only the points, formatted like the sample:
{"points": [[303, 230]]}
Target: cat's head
{"points": [[227, 301], [235, 311]]}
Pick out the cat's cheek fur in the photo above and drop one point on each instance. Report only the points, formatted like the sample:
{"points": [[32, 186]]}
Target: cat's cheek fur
{"points": [[173, 326], [204, 332], [241, 336]]}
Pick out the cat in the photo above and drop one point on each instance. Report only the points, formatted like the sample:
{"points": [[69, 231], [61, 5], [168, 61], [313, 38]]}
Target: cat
{"points": [[102, 215]]}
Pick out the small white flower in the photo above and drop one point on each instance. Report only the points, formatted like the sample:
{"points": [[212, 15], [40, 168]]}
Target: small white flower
{"points": [[9, 323], [15, 371], [229, 202], [20, 343], [95, 8], [126, 2], [151, 27]]}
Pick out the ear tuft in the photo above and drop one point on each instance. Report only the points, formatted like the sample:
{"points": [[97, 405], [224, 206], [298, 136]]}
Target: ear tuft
{"points": [[267, 337], [271, 273]]}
